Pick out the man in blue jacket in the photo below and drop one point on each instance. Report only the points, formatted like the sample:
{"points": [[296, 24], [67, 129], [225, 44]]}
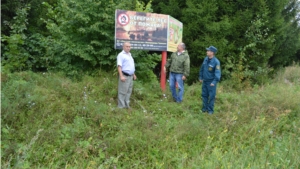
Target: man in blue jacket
{"points": [[209, 75]]}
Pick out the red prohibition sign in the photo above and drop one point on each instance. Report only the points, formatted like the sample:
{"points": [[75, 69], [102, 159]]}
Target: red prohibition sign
{"points": [[123, 19]]}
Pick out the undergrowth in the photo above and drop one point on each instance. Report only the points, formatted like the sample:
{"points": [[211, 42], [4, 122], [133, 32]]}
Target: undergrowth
{"points": [[50, 121]]}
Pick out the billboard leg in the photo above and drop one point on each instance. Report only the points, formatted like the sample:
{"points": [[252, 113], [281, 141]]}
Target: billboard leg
{"points": [[162, 73]]}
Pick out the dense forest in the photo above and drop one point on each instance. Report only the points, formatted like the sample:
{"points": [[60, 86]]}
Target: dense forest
{"points": [[254, 38]]}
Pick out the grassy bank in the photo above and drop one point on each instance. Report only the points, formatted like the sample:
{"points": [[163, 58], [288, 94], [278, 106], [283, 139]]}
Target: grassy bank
{"points": [[49, 121]]}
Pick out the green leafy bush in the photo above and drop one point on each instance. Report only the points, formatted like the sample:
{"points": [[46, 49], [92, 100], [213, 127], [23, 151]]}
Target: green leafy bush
{"points": [[15, 57]]}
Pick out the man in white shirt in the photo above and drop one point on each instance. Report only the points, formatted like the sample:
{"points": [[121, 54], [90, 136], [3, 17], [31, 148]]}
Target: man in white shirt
{"points": [[126, 70]]}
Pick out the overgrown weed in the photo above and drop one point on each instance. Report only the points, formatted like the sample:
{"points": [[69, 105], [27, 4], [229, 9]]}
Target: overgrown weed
{"points": [[83, 128]]}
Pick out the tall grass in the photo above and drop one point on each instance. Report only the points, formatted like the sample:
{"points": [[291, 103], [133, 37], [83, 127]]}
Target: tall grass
{"points": [[49, 121]]}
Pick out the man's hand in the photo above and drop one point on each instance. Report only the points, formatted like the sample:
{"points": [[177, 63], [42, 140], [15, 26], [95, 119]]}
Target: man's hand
{"points": [[134, 77], [200, 81], [122, 78], [165, 70], [183, 78], [212, 84]]}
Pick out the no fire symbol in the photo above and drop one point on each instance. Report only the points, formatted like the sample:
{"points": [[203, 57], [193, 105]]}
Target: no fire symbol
{"points": [[123, 19]]}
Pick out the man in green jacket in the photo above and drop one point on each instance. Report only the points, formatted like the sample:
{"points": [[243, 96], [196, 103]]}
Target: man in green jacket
{"points": [[179, 67]]}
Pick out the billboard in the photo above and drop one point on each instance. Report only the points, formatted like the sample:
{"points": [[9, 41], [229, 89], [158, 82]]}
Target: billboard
{"points": [[147, 31], [174, 34]]}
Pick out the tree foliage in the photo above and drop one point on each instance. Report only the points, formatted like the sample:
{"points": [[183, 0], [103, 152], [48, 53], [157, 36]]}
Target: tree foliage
{"points": [[252, 36], [79, 37], [15, 54], [81, 33], [74, 36]]}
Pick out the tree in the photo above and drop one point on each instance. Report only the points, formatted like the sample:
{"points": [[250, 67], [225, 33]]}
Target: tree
{"points": [[15, 57], [250, 35], [286, 29], [23, 45], [82, 34]]}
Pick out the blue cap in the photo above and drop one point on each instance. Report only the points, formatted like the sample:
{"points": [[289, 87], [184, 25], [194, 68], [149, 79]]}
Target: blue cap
{"points": [[213, 49]]}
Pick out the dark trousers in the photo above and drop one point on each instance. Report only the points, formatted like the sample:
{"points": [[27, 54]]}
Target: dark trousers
{"points": [[208, 97]]}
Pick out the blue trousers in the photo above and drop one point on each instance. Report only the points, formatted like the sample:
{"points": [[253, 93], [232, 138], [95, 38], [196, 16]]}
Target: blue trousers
{"points": [[176, 77], [208, 97]]}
